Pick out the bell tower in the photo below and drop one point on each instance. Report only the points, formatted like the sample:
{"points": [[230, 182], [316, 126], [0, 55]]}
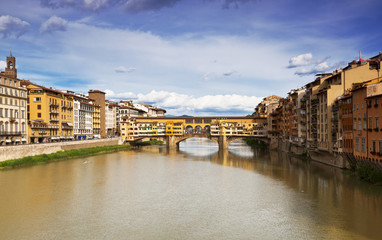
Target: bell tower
{"points": [[11, 70]]}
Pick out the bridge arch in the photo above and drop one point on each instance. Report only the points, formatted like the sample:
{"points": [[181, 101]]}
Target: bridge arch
{"points": [[207, 136], [189, 129], [198, 129], [207, 129]]}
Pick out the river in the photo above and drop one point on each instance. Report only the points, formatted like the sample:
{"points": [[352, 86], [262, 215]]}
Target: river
{"points": [[197, 192]]}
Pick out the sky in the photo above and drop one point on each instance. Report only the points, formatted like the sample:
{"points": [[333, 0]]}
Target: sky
{"points": [[190, 57]]}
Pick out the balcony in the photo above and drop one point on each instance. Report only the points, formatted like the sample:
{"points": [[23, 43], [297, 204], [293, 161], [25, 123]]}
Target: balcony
{"points": [[52, 111], [12, 119], [54, 120], [53, 104], [39, 125], [10, 133]]}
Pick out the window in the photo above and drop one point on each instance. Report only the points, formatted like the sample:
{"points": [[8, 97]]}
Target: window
{"points": [[39, 115], [359, 125], [374, 146], [370, 122], [380, 147], [357, 144], [376, 122], [1, 112], [37, 99], [39, 106], [363, 145]]}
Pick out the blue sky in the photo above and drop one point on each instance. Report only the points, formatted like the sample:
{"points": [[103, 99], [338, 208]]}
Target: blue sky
{"points": [[199, 57]]}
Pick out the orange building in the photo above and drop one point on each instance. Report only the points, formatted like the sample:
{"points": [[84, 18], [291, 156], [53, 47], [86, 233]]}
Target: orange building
{"points": [[374, 115]]}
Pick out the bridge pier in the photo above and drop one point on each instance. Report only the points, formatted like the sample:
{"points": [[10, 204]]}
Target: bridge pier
{"points": [[223, 143], [171, 142]]}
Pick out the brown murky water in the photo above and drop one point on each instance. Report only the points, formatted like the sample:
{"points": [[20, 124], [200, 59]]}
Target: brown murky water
{"points": [[197, 192]]}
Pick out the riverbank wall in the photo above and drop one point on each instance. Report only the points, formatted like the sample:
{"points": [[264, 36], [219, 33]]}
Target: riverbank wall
{"points": [[335, 160], [20, 151]]}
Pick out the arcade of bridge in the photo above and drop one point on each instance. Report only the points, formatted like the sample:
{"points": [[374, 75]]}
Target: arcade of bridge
{"points": [[201, 122]]}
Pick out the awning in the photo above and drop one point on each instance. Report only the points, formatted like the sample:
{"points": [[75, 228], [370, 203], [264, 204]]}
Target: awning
{"points": [[8, 141], [24, 140], [17, 140]]}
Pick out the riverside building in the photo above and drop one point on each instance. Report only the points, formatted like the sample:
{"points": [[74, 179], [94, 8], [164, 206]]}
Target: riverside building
{"points": [[83, 114], [50, 114], [13, 106], [338, 115]]}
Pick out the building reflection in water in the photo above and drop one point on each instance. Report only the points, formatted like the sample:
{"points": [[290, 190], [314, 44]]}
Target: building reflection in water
{"points": [[336, 197]]}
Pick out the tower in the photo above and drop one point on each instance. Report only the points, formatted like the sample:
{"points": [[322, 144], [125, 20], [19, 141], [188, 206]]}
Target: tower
{"points": [[11, 70], [99, 98]]}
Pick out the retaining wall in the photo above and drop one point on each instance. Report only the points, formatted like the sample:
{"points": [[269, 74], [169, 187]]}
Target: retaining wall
{"points": [[19, 151]]}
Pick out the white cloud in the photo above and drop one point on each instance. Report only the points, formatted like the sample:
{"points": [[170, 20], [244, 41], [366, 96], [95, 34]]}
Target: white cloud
{"points": [[122, 69], [176, 64], [12, 26], [3, 65], [300, 60], [180, 104], [53, 24], [319, 68]]}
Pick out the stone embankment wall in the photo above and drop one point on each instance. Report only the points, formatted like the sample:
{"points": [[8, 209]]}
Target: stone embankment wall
{"points": [[19, 151], [324, 157]]}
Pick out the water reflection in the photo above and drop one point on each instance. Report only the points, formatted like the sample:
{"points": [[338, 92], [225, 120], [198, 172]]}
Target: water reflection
{"points": [[196, 192], [198, 147], [338, 200]]}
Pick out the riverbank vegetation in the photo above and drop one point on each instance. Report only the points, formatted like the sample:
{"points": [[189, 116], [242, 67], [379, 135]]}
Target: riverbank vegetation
{"points": [[368, 173], [149, 143], [61, 155], [255, 143]]}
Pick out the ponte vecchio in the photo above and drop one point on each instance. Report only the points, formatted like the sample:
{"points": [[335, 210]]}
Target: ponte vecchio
{"points": [[173, 130]]}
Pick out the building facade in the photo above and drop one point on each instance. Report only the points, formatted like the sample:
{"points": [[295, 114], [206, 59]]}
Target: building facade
{"points": [[99, 99], [50, 114], [13, 106]]}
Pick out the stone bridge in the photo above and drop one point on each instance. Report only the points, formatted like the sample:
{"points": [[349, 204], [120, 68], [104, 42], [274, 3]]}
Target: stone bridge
{"points": [[173, 141], [173, 130]]}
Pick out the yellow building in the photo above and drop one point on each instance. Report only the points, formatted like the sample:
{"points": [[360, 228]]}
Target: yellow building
{"points": [[50, 114], [97, 121]]}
